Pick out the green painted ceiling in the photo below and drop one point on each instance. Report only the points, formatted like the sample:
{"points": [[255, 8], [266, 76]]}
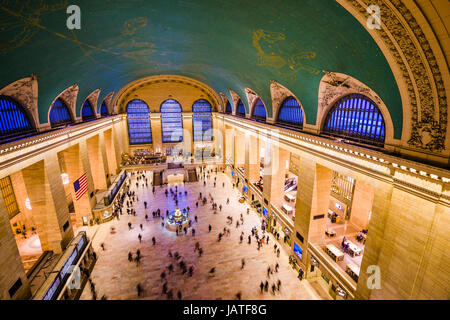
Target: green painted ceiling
{"points": [[227, 44]]}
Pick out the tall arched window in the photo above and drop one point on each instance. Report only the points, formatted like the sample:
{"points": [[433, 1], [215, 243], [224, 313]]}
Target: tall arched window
{"points": [[240, 109], [14, 122], [59, 114], [171, 121], [139, 129], [259, 111], [228, 109], [104, 110], [87, 112], [202, 120], [356, 117], [290, 114]]}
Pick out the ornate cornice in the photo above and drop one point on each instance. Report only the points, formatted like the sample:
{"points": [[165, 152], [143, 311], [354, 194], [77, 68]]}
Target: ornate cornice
{"points": [[413, 55], [122, 96]]}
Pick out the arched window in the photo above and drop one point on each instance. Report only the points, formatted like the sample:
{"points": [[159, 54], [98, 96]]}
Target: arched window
{"points": [[290, 114], [171, 121], [87, 112], [228, 109], [356, 117], [14, 122], [104, 110], [240, 109], [259, 111], [139, 129], [202, 120], [59, 114]]}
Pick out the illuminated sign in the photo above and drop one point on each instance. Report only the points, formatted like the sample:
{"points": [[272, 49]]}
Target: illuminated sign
{"points": [[264, 211], [298, 251]]}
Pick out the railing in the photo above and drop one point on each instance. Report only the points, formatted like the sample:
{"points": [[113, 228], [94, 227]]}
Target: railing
{"points": [[333, 269], [114, 188], [60, 274]]}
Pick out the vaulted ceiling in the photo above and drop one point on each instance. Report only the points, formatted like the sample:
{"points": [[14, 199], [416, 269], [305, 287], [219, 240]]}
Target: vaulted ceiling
{"points": [[229, 44]]}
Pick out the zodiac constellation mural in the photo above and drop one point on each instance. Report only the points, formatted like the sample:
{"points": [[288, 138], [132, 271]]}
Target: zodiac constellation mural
{"points": [[270, 55], [20, 20]]}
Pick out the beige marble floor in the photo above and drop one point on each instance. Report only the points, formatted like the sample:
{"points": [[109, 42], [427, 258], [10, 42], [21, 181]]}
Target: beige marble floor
{"points": [[116, 277]]}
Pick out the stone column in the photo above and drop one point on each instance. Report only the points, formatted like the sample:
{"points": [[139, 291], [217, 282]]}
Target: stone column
{"points": [[98, 162], [188, 134], [251, 158], [219, 139], [75, 160], [229, 145], [111, 154], [409, 238], [313, 196], [48, 202], [239, 148], [10, 263], [274, 172], [155, 123]]}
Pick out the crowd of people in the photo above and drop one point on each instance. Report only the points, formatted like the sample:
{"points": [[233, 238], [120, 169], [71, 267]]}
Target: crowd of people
{"points": [[178, 265]]}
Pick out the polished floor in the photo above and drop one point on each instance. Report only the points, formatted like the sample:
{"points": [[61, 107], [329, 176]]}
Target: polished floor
{"points": [[116, 278]]}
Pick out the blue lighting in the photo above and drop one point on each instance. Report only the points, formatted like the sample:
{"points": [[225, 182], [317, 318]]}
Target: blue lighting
{"points": [[202, 120], [13, 120], [298, 251], [259, 111], [228, 109], [59, 114], [104, 110], [240, 109], [171, 121], [356, 117], [87, 112], [291, 113], [244, 189], [139, 129], [265, 212]]}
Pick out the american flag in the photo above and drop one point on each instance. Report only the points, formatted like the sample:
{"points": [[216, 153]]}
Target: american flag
{"points": [[80, 186]]}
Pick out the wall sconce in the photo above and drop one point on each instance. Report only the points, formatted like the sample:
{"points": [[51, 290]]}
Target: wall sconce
{"points": [[28, 203], [65, 178]]}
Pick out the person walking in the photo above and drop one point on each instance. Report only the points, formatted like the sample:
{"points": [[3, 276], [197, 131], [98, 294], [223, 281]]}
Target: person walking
{"points": [[242, 263], [179, 295], [142, 228], [130, 256], [300, 274], [140, 238], [129, 225], [153, 240], [139, 289], [209, 228], [261, 286], [278, 284]]}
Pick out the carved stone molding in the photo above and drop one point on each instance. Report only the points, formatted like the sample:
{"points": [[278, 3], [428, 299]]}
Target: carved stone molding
{"points": [[119, 100], [412, 53], [93, 99], [236, 99], [69, 97], [107, 101], [224, 102], [25, 92], [252, 97]]}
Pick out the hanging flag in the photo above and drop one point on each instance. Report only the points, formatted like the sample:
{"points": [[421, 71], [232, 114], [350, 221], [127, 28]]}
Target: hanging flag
{"points": [[80, 186]]}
